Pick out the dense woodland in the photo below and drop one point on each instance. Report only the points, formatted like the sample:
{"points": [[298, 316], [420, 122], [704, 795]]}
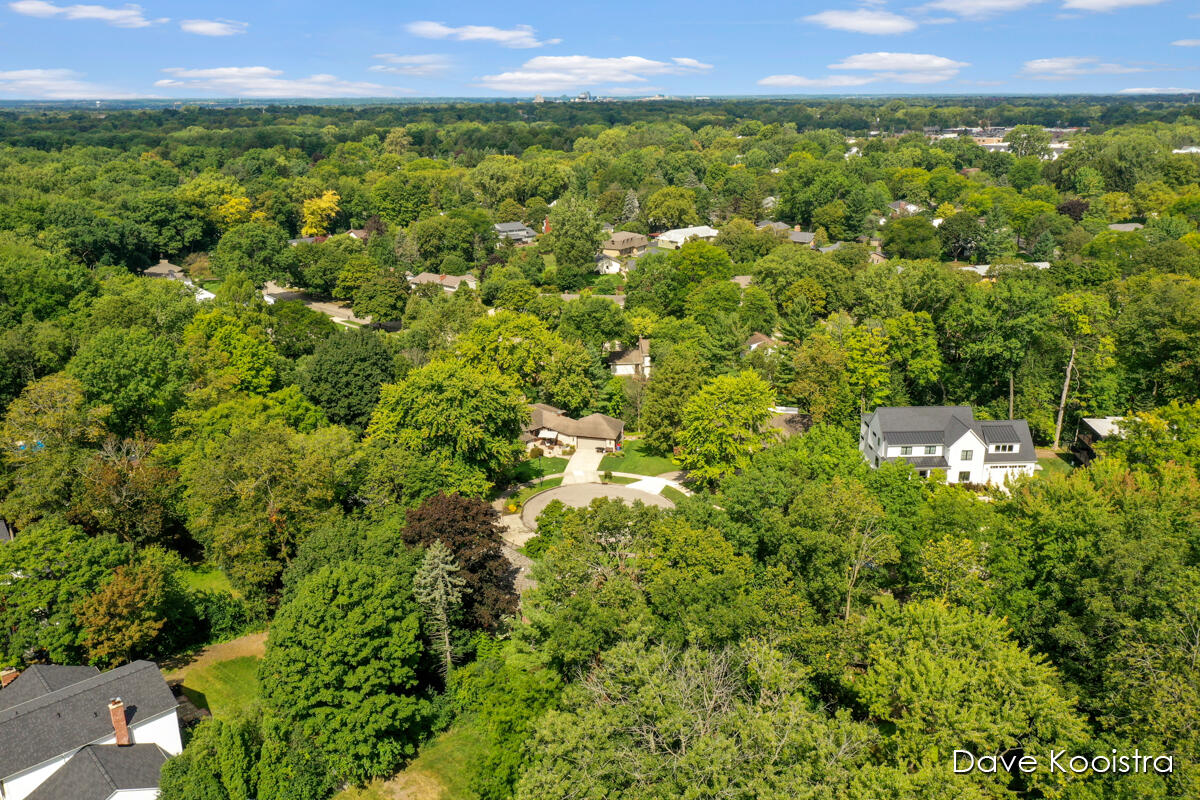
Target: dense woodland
{"points": [[802, 626]]}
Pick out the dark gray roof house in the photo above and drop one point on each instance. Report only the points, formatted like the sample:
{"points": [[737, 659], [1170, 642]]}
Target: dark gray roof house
{"points": [[50, 713], [516, 231], [801, 237], [101, 772], [948, 438]]}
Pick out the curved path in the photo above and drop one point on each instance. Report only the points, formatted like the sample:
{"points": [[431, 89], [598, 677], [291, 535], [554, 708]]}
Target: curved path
{"points": [[580, 494]]}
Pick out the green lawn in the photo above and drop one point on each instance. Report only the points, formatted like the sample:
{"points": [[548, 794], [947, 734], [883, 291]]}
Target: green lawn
{"points": [[522, 497], [673, 494], [537, 467], [224, 687], [1056, 465], [442, 771], [208, 579], [636, 460], [212, 285]]}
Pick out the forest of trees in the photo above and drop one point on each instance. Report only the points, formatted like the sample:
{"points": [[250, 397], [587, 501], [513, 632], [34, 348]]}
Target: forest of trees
{"points": [[801, 626]]}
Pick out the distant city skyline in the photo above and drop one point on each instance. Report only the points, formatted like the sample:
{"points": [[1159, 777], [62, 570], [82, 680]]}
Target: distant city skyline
{"points": [[273, 49]]}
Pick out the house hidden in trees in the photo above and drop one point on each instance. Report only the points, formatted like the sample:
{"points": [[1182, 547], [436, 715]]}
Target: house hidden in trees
{"points": [[633, 362], [948, 438], [552, 430], [624, 244], [450, 283], [678, 237], [903, 208], [1092, 430], [77, 733], [516, 232], [165, 269]]}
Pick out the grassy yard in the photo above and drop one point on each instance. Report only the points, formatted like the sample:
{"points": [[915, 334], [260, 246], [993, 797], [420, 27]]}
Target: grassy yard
{"points": [[635, 459], [207, 579], [537, 467], [673, 494], [442, 771], [223, 687], [1058, 464], [520, 498]]}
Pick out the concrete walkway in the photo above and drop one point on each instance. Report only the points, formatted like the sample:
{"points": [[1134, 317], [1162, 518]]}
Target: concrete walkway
{"points": [[584, 467]]}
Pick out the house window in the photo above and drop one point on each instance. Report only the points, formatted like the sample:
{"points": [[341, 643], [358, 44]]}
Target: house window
{"points": [[1004, 448], [906, 451], [967, 455], [964, 477], [931, 450], [923, 473]]}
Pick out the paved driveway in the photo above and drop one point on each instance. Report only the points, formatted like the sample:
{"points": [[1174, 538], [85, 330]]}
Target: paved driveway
{"points": [[579, 495], [584, 466]]}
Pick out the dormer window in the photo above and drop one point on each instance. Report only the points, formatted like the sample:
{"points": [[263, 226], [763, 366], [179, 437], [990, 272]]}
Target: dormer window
{"points": [[931, 450], [906, 451], [1004, 448]]}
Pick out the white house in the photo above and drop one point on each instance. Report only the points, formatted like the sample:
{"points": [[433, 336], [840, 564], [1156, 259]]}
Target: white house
{"points": [[607, 265], [948, 438], [678, 237], [74, 732], [903, 208]]}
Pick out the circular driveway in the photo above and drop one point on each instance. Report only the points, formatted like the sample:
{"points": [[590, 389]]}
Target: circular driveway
{"points": [[578, 495]]}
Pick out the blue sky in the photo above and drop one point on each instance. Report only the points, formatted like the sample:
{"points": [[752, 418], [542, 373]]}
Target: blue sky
{"points": [[374, 48]]}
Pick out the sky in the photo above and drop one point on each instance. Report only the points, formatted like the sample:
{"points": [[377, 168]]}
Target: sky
{"points": [[381, 48]]}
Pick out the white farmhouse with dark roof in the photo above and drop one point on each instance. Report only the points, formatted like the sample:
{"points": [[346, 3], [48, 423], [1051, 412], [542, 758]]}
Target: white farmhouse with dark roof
{"points": [[74, 732], [948, 438]]}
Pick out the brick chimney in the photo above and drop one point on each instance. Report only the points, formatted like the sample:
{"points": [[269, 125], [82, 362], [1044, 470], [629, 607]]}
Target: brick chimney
{"points": [[8, 675], [116, 710]]}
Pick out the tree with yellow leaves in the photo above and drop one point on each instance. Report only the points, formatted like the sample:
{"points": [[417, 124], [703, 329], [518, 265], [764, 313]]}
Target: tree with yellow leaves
{"points": [[318, 213]]}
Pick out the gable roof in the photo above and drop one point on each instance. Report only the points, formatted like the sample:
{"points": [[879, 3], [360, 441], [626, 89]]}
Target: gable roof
{"points": [[593, 426], [801, 237], [758, 338], [509, 228], [681, 235], [442, 280], [945, 425], [75, 715], [42, 679], [623, 239], [98, 771]]}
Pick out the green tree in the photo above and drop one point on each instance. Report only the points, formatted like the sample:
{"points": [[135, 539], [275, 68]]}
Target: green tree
{"points": [[341, 666], [676, 378], [259, 249], [1028, 140], [671, 207], [344, 376], [911, 237], [575, 235], [724, 424]]}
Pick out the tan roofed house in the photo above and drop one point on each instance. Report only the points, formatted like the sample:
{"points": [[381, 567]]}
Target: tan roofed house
{"points": [[624, 244], [551, 429], [449, 283]]}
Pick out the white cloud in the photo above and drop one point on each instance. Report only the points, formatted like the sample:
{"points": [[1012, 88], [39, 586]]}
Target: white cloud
{"points": [[1186, 43], [563, 73], [519, 37], [266, 82], [863, 20], [1159, 90], [54, 84], [1068, 67], [1107, 5], [127, 16], [420, 66], [980, 8], [882, 67], [830, 81], [214, 27]]}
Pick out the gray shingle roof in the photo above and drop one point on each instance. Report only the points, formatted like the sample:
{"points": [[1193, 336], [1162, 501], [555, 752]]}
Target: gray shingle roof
{"points": [[945, 425], [76, 715], [97, 771], [42, 679]]}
